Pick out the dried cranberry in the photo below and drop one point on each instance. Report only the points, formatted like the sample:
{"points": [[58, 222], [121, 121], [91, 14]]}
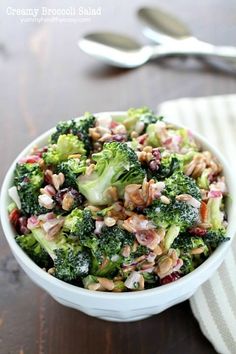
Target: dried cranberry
{"points": [[79, 199], [170, 278], [153, 165], [14, 217], [197, 231], [22, 225], [156, 154]]}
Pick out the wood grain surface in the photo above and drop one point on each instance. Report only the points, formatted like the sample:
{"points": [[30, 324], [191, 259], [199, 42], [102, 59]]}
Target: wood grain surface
{"points": [[45, 78]]}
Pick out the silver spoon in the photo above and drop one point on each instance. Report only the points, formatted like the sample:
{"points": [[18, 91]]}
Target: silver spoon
{"points": [[122, 51], [165, 28], [162, 27]]}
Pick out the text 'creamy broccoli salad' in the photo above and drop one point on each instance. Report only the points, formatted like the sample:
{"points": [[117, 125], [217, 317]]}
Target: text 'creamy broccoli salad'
{"points": [[121, 204]]}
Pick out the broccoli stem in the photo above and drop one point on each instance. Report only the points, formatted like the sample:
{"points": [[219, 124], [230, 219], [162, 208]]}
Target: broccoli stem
{"points": [[49, 246], [214, 214], [171, 234]]}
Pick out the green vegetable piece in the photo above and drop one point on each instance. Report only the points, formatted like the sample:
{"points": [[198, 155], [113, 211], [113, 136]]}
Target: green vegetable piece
{"points": [[116, 165]]}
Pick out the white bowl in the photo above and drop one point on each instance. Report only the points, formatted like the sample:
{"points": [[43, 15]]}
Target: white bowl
{"points": [[130, 306]]}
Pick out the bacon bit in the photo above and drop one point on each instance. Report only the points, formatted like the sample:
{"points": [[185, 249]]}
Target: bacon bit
{"points": [[137, 223], [148, 238], [46, 201], [214, 194], [49, 190], [14, 217], [46, 217], [52, 227], [32, 222], [197, 231], [203, 211], [170, 278], [141, 139], [135, 281], [22, 225], [48, 176], [98, 227]]}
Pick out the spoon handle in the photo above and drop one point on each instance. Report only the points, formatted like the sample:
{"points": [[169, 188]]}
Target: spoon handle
{"points": [[197, 49]]}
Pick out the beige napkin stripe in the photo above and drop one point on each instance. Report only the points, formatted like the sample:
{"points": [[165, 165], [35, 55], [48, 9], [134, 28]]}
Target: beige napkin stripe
{"points": [[214, 304]]}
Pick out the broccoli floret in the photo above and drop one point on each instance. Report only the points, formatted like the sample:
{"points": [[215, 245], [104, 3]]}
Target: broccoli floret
{"points": [[71, 264], [62, 128], [79, 225], [175, 217], [33, 249], [168, 166], [82, 127], [179, 183], [71, 261], [107, 256], [188, 264], [135, 115], [66, 145], [214, 213], [172, 163], [78, 128], [71, 169], [176, 213], [28, 180], [185, 243], [113, 239], [150, 280], [90, 279], [214, 238], [116, 165]]}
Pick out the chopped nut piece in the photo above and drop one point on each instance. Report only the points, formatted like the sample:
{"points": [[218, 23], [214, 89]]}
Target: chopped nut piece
{"points": [[164, 266], [197, 250], [89, 169], [95, 286], [106, 283], [164, 199], [58, 180], [147, 149], [113, 193], [67, 202], [109, 221], [51, 271], [126, 251], [74, 156]]}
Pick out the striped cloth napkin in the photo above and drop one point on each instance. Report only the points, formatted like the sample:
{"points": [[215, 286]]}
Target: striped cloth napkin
{"points": [[214, 303]]}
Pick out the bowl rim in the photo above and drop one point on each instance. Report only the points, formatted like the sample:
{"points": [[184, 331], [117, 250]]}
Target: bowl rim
{"points": [[26, 260]]}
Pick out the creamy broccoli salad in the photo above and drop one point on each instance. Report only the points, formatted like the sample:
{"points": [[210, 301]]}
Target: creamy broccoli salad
{"points": [[119, 204]]}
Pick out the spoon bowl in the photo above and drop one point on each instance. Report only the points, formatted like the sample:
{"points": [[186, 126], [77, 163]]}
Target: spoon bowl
{"points": [[115, 49], [161, 26]]}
